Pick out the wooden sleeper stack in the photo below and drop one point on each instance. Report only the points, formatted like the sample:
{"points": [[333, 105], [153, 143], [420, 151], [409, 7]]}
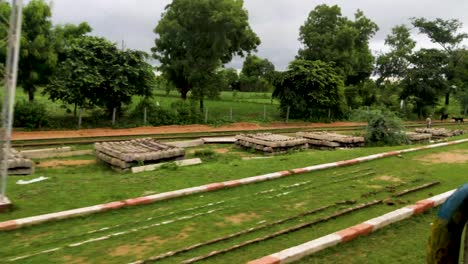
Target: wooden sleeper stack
{"points": [[418, 137], [327, 140], [126, 154], [440, 132], [270, 143], [18, 164]]}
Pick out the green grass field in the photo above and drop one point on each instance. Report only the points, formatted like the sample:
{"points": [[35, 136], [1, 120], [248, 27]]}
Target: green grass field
{"points": [[170, 225], [252, 107]]}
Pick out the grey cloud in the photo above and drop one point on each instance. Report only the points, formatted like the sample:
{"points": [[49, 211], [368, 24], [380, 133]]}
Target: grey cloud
{"points": [[276, 22]]}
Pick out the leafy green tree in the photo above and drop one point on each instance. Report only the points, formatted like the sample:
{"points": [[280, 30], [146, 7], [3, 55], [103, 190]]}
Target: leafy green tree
{"points": [[256, 74], [396, 62], [229, 79], [64, 35], [446, 34], [194, 38], [96, 73], [330, 37], [37, 54], [311, 89], [425, 81]]}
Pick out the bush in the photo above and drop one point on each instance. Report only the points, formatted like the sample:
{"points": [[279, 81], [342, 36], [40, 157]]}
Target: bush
{"points": [[30, 114], [186, 113], [155, 114], [385, 128]]}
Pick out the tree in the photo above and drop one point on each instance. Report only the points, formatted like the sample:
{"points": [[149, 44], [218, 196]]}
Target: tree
{"points": [[64, 35], [230, 79], [332, 38], [445, 33], [425, 81], [194, 38], [96, 73], [37, 55], [395, 63], [312, 89], [256, 74]]}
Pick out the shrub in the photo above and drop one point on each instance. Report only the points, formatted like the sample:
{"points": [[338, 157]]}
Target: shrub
{"points": [[186, 113], [30, 114], [385, 128], [155, 114], [205, 154]]}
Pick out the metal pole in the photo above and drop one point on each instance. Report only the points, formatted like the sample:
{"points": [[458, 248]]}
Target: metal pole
{"points": [[144, 116], [113, 115], [230, 114], [206, 115], [264, 112], [287, 114], [11, 75], [465, 254]]}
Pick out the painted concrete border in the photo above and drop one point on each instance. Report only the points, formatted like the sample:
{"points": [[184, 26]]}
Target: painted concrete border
{"points": [[295, 253], [28, 221]]}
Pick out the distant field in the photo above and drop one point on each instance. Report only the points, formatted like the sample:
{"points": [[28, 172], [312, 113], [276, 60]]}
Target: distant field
{"points": [[251, 107]]}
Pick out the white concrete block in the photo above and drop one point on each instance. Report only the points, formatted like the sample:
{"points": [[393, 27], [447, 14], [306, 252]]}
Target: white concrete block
{"points": [[390, 218], [186, 144], [180, 163], [295, 253], [219, 140], [441, 198]]}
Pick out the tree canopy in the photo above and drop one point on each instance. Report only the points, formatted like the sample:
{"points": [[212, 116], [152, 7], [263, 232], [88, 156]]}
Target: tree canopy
{"points": [[257, 74], [96, 73], [330, 37], [194, 38], [312, 90], [37, 54], [396, 62]]}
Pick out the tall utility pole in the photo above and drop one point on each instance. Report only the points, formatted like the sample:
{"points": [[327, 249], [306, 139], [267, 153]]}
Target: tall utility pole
{"points": [[11, 74]]}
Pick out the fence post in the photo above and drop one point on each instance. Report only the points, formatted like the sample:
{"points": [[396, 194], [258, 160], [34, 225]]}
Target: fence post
{"points": [[113, 116], [80, 112], [264, 112], [230, 114], [206, 114], [287, 114], [144, 116]]}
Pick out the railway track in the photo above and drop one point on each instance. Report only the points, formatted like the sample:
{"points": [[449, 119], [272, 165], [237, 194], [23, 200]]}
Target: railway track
{"points": [[188, 136]]}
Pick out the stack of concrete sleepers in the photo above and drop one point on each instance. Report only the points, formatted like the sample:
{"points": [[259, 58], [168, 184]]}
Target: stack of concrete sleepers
{"points": [[126, 154], [18, 164], [418, 137], [329, 140], [439, 132], [270, 143]]}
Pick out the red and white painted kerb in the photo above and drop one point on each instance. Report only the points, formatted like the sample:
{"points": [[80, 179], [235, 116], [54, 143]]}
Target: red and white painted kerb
{"points": [[34, 220], [295, 253]]}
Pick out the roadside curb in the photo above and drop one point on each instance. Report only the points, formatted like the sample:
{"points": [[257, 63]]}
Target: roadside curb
{"points": [[298, 252], [34, 220]]}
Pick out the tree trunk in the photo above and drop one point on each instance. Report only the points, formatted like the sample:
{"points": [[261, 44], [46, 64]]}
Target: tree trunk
{"points": [[31, 94], [201, 105], [74, 110], [184, 91], [447, 98]]}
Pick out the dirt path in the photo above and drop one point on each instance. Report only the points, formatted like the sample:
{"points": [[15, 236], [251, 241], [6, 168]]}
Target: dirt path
{"points": [[174, 129]]}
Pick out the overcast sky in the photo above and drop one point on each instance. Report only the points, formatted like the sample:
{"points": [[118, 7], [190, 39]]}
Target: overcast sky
{"points": [[276, 22]]}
